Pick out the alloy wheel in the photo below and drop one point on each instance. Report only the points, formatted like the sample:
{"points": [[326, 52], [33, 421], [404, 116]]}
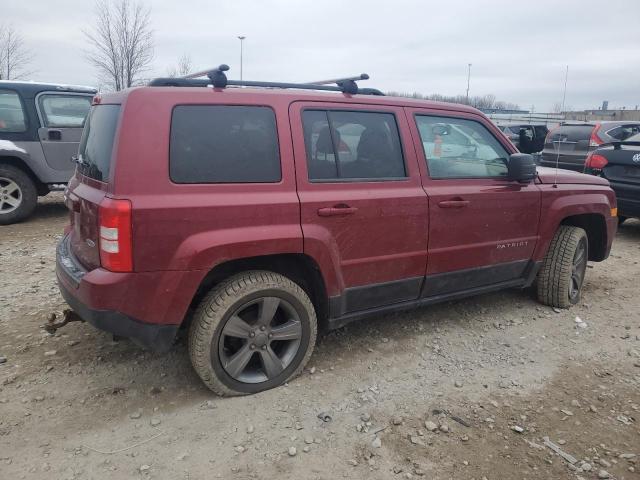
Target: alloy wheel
{"points": [[10, 195], [260, 340], [578, 268]]}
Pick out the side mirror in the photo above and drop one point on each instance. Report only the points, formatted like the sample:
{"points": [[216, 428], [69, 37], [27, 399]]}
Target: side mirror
{"points": [[521, 167]]}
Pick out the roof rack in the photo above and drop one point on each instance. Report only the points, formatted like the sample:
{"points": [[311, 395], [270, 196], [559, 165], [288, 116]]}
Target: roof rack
{"points": [[218, 79]]}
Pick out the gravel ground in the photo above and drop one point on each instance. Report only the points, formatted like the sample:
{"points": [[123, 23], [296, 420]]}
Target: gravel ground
{"points": [[464, 390]]}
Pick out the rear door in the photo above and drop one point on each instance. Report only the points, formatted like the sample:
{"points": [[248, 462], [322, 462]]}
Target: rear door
{"points": [[362, 204], [483, 228], [62, 116]]}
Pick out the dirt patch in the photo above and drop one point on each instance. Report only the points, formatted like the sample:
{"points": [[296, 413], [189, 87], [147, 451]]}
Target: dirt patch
{"points": [[69, 400]]}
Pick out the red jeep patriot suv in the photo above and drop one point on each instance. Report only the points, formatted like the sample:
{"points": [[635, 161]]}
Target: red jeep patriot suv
{"points": [[255, 216]]}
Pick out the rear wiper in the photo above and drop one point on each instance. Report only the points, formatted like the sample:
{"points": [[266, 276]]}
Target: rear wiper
{"points": [[79, 160]]}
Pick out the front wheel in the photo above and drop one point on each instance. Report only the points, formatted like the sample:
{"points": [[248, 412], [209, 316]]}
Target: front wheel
{"points": [[252, 332], [563, 269]]}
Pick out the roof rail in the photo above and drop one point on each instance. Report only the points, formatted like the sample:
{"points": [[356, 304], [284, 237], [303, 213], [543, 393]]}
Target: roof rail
{"points": [[218, 79]]}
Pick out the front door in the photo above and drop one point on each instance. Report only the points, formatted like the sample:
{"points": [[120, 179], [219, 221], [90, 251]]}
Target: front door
{"points": [[62, 117], [483, 228], [363, 208]]}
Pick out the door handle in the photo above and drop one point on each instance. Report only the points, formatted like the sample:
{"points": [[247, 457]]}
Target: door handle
{"points": [[337, 210], [54, 135], [453, 203]]}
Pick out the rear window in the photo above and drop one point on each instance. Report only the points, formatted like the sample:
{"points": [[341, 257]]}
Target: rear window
{"points": [[571, 133], [224, 144], [94, 154]]}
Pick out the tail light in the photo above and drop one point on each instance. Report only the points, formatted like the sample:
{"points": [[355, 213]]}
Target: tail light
{"points": [[594, 140], [116, 252], [595, 161]]}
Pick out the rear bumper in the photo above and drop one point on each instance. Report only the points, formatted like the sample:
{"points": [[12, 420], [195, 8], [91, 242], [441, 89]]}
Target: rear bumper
{"points": [[628, 198], [147, 307], [154, 337], [567, 162]]}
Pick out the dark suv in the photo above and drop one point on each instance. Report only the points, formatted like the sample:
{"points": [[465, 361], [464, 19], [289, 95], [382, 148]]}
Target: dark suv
{"points": [[40, 128], [570, 143], [256, 216]]}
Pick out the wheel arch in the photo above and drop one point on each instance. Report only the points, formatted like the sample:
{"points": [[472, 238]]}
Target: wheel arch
{"points": [[596, 227], [300, 268], [17, 162]]}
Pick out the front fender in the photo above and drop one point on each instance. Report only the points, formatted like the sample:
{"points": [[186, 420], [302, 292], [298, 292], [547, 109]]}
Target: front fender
{"points": [[566, 201]]}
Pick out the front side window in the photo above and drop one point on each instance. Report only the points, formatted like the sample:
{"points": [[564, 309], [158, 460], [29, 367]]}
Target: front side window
{"points": [[345, 145], [460, 148], [12, 118], [64, 111], [224, 144]]}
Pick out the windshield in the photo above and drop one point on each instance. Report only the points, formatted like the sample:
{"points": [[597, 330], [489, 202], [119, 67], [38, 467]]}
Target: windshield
{"points": [[94, 154]]}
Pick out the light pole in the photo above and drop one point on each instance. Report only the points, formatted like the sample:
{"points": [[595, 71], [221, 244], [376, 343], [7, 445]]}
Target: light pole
{"points": [[468, 81], [241, 38]]}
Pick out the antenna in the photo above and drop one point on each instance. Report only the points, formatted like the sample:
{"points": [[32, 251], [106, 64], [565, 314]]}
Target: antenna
{"points": [[564, 96]]}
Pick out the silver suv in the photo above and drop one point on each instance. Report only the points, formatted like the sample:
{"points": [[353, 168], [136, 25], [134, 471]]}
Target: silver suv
{"points": [[40, 129]]}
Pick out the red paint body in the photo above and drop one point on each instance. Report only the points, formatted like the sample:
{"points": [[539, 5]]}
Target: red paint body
{"points": [[394, 231]]}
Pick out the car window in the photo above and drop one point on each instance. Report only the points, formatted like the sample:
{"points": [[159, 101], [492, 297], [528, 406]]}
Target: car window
{"points": [[343, 145], [64, 111], [12, 118], [224, 144], [459, 148], [623, 132], [96, 144]]}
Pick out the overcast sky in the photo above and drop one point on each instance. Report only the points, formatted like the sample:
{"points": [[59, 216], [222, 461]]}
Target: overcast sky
{"points": [[519, 48]]}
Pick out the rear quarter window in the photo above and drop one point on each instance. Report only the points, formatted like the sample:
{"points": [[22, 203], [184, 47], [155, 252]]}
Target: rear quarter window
{"points": [[223, 144], [96, 145], [12, 117]]}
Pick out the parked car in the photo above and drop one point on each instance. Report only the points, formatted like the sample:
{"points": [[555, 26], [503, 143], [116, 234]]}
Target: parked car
{"points": [[570, 143], [40, 128], [256, 216], [527, 138], [619, 163]]}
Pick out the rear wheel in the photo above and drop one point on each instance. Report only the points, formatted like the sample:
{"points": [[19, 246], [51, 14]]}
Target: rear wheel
{"points": [[251, 333], [563, 269], [18, 195]]}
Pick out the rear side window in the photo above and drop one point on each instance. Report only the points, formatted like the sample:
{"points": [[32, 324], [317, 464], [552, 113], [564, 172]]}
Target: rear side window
{"points": [[352, 145], [624, 131], [12, 117], [224, 144], [64, 111], [96, 145]]}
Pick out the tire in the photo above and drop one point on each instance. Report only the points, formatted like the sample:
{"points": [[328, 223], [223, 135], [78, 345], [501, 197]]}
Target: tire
{"points": [[227, 329], [18, 195], [563, 269]]}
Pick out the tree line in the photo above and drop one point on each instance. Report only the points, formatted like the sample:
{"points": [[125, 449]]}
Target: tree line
{"points": [[481, 102]]}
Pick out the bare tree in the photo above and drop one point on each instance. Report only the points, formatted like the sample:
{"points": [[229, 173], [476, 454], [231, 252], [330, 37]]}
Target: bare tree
{"points": [[183, 68], [121, 41], [14, 54], [487, 102]]}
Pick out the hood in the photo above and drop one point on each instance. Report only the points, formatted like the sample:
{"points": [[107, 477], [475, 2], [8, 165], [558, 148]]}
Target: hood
{"points": [[548, 175]]}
